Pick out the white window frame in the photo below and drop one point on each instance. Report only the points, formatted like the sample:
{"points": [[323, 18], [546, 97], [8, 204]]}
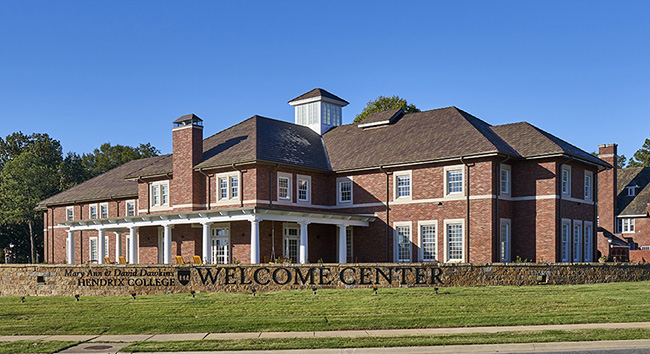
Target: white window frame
{"points": [[339, 195], [101, 208], [631, 191], [625, 225], [448, 169], [300, 179], [589, 185], [565, 185], [505, 241], [286, 237], [90, 211], [396, 177], [588, 236], [126, 208], [289, 177], [396, 241], [565, 240], [214, 258], [578, 243], [446, 240], [69, 213], [421, 245], [508, 179], [92, 240], [229, 177], [159, 185]]}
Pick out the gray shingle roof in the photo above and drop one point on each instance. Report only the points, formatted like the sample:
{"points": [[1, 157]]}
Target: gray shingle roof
{"points": [[377, 118], [636, 205], [317, 92]]}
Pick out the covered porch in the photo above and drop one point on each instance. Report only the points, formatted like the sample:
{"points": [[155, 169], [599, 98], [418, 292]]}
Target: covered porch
{"points": [[239, 235]]}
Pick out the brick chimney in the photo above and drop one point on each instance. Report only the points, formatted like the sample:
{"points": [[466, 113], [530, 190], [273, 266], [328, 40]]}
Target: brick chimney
{"points": [[607, 188], [187, 190]]}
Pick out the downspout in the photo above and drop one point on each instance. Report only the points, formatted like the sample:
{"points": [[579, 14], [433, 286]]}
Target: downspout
{"points": [[271, 184], [467, 212], [387, 241], [241, 185], [209, 184]]}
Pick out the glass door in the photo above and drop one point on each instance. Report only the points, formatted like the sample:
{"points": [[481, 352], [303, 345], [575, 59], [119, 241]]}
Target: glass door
{"points": [[220, 245]]}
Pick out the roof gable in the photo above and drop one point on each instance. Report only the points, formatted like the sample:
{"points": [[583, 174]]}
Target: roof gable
{"points": [[633, 205], [319, 92]]}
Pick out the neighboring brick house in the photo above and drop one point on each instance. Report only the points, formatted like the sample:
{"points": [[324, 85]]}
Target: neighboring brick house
{"points": [[624, 230], [440, 185]]}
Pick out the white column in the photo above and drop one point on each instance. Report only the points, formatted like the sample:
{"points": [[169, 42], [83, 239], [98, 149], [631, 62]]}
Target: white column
{"points": [[70, 245], [100, 246], [343, 244], [206, 242], [118, 247], [255, 241], [304, 251], [167, 244], [133, 251]]}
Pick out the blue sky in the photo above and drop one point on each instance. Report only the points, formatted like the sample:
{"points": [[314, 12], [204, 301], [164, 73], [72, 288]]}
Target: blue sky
{"points": [[88, 72]]}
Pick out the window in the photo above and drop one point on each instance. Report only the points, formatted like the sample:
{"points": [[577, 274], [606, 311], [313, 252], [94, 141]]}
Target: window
{"points": [[93, 249], [228, 187], [130, 208], [92, 211], [631, 191], [402, 185], [566, 235], [160, 194], [455, 241], [577, 241], [284, 186], [103, 210], [625, 225], [304, 188], [505, 179], [106, 244], [348, 244], [330, 114], [428, 244], [504, 240], [453, 180], [344, 190], [589, 177], [566, 180], [69, 213], [291, 242], [589, 248], [220, 245], [403, 241]]}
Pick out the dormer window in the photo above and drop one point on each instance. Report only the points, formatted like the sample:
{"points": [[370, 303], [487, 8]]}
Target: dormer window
{"points": [[631, 191]]}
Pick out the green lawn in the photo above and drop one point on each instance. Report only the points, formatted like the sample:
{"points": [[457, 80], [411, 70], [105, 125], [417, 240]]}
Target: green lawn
{"points": [[38, 346], [300, 310]]}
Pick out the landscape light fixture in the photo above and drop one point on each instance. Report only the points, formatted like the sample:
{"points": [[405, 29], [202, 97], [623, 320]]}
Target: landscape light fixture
{"points": [[133, 294], [436, 290], [192, 292], [22, 299], [76, 296], [253, 291], [314, 290], [375, 290]]}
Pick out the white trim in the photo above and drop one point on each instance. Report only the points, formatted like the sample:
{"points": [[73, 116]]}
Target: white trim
{"points": [[565, 246], [448, 222], [505, 255], [508, 169], [448, 169], [433, 223], [229, 199], [190, 206], [408, 173], [289, 198], [396, 241], [306, 178], [220, 226], [126, 207], [159, 205], [588, 246], [285, 237], [589, 176], [631, 216], [566, 168], [68, 208], [338, 191], [101, 205], [90, 248], [577, 241], [90, 211]]}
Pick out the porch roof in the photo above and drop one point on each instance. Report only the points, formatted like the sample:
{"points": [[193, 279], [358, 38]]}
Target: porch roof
{"points": [[220, 215]]}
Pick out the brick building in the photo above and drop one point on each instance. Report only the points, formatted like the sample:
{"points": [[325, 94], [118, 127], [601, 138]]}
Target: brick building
{"points": [[624, 207], [440, 185]]}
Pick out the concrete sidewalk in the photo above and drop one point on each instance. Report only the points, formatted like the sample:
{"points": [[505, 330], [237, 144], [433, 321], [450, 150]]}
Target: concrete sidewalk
{"points": [[128, 338]]}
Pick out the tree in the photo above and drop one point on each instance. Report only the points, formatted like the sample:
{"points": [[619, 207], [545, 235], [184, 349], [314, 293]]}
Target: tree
{"points": [[72, 171], [620, 161], [642, 156], [108, 156], [383, 103]]}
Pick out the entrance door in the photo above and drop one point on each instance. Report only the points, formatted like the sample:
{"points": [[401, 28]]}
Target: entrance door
{"points": [[291, 242], [220, 245]]}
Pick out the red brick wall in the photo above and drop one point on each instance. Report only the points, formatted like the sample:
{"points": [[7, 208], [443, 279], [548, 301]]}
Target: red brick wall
{"points": [[607, 189], [187, 186]]}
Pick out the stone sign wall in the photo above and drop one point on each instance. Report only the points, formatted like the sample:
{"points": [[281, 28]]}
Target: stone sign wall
{"points": [[123, 280]]}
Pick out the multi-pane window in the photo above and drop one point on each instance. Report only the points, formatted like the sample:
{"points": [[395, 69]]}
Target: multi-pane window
{"points": [[93, 211], [566, 180], [103, 210], [93, 249], [220, 245], [227, 187], [588, 183], [403, 243], [588, 251], [631, 191], [330, 114], [577, 241], [130, 208], [303, 190], [69, 213], [106, 244], [428, 242], [291, 242], [566, 235], [345, 191], [454, 181], [160, 194], [504, 251], [155, 195], [505, 179], [223, 188], [403, 183], [455, 242], [348, 244], [234, 187], [164, 194], [283, 188], [625, 225]]}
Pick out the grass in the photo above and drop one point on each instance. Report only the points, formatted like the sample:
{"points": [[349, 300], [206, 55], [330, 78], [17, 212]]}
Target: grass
{"points": [[300, 310], [36, 346], [397, 341]]}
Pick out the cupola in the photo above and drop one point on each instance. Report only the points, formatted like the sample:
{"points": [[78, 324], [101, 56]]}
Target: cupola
{"points": [[318, 110]]}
